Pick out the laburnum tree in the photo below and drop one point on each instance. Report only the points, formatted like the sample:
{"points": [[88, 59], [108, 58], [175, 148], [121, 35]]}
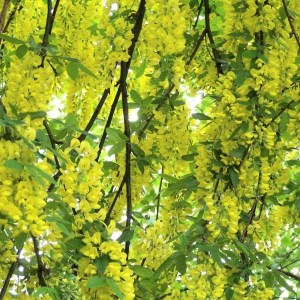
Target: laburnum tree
{"points": [[113, 186]]}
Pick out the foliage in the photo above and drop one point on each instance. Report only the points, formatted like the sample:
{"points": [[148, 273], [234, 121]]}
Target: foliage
{"points": [[112, 187]]}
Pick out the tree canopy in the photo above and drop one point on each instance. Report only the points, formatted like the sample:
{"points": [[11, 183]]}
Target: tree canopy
{"points": [[149, 149]]}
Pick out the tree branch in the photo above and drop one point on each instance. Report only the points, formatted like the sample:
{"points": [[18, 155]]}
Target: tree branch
{"points": [[291, 22], [41, 268], [158, 195], [107, 218], [9, 275], [210, 36], [108, 122], [95, 114], [52, 141], [3, 14], [289, 274], [198, 15], [172, 86], [48, 28]]}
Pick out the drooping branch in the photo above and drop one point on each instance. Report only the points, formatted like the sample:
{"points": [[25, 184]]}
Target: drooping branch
{"points": [[52, 141], [108, 122], [95, 114], [9, 275], [127, 175], [198, 15], [291, 23], [51, 13], [41, 267], [16, 8], [172, 86], [211, 38], [118, 193], [3, 14], [159, 194]]}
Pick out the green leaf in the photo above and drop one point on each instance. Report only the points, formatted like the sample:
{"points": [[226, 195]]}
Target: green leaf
{"points": [[96, 282], [33, 114], [269, 279], [181, 264], [169, 178], [229, 293], [239, 152], [137, 150], [13, 164], [116, 148], [74, 243], [116, 135], [21, 51], [250, 53], [167, 263], [279, 277], [11, 39], [86, 70], [101, 263], [142, 271], [113, 285], [71, 120], [189, 157], [243, 248], [126, 235], [20, 240], [187, 183], [234, 177], [73, 70], [297, 204], [37, 172], [135, 96], [201, 116], [241, 76]]}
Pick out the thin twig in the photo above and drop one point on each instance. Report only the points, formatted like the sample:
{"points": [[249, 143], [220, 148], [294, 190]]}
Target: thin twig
{"points": [[48, 28], [108, 122], [9, 275], [52, 141], [198, 15], [3, 14], [127, 132], [159, 194], [289, 274], [291, 22], [41, 268], [107, 218], [210, 36], [95, 114], [12, 15]]}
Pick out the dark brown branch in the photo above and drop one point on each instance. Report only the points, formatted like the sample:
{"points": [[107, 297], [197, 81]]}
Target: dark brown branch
{"points": [[282, 110], [41, 268], [52, 141], [9, 275], [127, 132], [107, 218], [198, 44], [172, 86], [253, 208], [3, 14], [289, 274], [108, 122], [12, 15], [95, 114], [48, 28], [291, 22], [198, 15], [210, 36], [159, 194]]}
